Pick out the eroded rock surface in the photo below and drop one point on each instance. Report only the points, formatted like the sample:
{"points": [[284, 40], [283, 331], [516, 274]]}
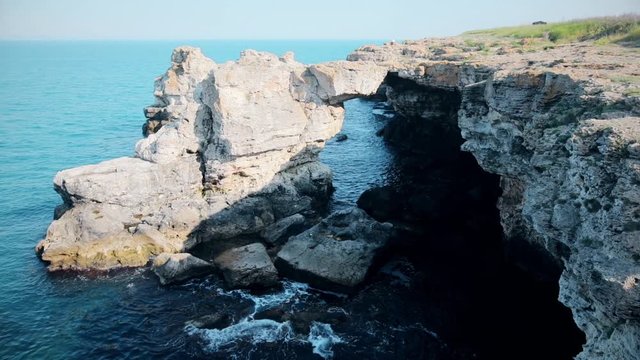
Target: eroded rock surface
{"points": [[247, 266], [174, 268], [560, 126], [241, 140], [231, 148], [337, 253]]}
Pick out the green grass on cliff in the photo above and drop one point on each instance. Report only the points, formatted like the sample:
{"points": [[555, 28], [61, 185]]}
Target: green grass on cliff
{"points": [[620, 29]]}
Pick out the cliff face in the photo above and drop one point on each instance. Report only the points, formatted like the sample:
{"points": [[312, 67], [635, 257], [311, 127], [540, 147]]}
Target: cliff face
{"points": [[562, 130], [232, 148]]}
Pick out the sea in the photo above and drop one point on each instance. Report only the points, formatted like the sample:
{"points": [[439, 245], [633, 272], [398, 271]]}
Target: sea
{"points": [[69, 103]]}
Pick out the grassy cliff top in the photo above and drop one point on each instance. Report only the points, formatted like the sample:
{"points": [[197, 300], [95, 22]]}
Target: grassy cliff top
{"points": [[619, 29]]}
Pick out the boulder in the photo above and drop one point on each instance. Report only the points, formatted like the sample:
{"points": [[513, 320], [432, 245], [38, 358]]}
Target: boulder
{"points": [[247, 266], [283, 229], [337, 253], [174, 268], [341, 137], [382, 203]]}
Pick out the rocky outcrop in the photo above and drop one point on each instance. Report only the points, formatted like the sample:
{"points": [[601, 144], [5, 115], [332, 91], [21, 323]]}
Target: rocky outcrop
{"points": [[231, 148], [283, 229], [337, 253], [561, 128], [247, 266], [173, 268], [579, 195]]}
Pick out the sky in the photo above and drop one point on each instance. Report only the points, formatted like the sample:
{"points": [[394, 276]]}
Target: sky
{"points": [[281, 19]]}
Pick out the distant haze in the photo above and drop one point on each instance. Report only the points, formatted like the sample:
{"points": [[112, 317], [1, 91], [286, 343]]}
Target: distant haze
{"points": [[281, 19]]}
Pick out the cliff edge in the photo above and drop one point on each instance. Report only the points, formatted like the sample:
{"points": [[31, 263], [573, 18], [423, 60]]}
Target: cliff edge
{"points": [[233, 148]]}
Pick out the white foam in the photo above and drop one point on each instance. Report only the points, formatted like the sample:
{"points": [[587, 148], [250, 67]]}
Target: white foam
{"points": [[322, 338], [291, 291], [253, 331], [383, 112]]}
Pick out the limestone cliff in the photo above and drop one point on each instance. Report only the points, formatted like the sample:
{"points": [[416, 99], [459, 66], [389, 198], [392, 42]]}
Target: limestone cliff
{"points": [[232, 148], [561, 127]]}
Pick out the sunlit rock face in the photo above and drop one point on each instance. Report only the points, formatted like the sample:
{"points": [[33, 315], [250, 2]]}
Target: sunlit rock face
{"points": [[233, 148], [230, 149]]}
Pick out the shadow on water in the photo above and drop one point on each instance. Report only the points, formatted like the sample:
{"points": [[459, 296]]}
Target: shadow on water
{"points": [[474, 295], [446, 289]]}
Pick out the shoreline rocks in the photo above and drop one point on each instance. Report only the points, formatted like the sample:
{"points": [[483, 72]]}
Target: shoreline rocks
{"points": [[247, 266], [337, 253], [175, 268], [223, 143], [560, 126]]}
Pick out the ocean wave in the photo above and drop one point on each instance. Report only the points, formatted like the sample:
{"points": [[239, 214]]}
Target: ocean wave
{"points": [[248, 330], [322, 338]]}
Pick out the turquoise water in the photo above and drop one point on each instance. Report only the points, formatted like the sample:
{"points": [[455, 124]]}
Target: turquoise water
{"points": [[64, 104]]}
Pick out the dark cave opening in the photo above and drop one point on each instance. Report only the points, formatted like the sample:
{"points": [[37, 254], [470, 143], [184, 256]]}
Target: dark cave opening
{"points": [[477, 298]]}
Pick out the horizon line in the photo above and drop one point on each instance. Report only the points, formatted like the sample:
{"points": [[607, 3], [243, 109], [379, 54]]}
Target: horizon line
{"points": [[203, 39]]}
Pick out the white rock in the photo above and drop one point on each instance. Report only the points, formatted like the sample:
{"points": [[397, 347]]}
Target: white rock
{"points": [[217, 134], [173, 268]]}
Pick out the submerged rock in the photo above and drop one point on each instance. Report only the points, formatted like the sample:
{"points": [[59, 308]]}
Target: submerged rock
{"points": [[219, 320], [382, 203], [337, 253], [341, 137], [173, 268], [247, 267]]}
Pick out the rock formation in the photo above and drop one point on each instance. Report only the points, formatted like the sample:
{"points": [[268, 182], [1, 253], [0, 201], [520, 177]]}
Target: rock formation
{"points": [[561, 129], [247, 266], [337, 253], [232, 149], [173, 268]]}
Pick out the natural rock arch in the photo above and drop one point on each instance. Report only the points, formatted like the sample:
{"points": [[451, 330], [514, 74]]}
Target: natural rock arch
{"points": [[566, 150]]}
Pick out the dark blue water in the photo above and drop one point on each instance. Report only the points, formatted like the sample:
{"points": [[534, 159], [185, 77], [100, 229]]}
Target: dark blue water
{"points": [[64, 104]]}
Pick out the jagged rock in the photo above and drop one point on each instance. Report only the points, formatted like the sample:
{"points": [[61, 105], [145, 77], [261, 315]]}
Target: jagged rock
{"points": [[246, 216], [283, 229], [217, 134], [560, 127], [337, 253], [563, 141], [173, 268], [342, 80], [247, 267]]}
